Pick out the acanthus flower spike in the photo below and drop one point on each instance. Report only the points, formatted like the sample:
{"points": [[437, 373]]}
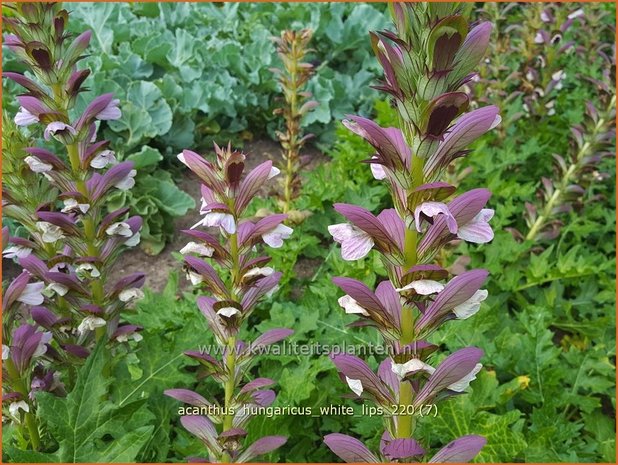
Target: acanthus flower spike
{"points": [[426, 60], [72, 242], [234, 288]]}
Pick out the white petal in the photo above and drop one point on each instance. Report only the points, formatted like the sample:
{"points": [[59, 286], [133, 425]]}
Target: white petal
{"points": [[423, 287], [42, 347], [59, 289], [127, 182], [576, 14], [131, 294], [102, 159], [194, 277], [119, 229], [355, 243], [412, 365], [200, 249], [133, 240], [538, 38], [355, 385], [25, 118], [38, 166], [274, 171], [90, 323], [16, 251], [265, 271], [5, 352], [351, 306], [15, 406], [228, 312], [275, 237], [51, 232], [464, 382], [470, 306], [32, 294], [478, 230], [377, 171]]}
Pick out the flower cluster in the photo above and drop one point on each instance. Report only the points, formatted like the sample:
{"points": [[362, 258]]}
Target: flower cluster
{"points": [[72, 240], [542, 75], [292, 47], [426, 61], [233, 295]]}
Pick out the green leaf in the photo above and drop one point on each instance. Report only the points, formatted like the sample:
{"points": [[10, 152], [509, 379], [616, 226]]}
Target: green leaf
{"points": [[89, 428], [146, 157]]}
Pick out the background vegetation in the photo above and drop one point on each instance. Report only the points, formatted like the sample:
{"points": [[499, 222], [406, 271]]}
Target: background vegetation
{"points": [[188, 74]]}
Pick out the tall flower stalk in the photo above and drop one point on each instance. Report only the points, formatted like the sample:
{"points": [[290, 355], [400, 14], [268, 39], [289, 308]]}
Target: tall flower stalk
{"points": [[234, 291], [431, 54], [292, 47], [593, 140], [73, 242]]}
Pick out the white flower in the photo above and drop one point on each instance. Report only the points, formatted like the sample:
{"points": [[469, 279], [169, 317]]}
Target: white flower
{"points": [[25, 118], [111, 111], [355, 243], [497, 120], [15, 406], [5, 352], [133, 240], [576, 14], [477, 230], [423, 287], [51, 232], [558, 75], [538, 38], [87, 271], [355, 385], [223, 220], [275, 237], [131, 294], [127, 182], [464, 382], [470, 306], [228, 312], [274, 171], [126, 337], [42, 347], [377, 170], [16, 251], [351, 306], [37, 165], [119, 229], [90, 323], [32, 294], [545, 17], [58, 288], [200, 249], [55, 127], [414, 364], [253, 272], [71, 205], [432, 210], [194, 277], [102, 159]]}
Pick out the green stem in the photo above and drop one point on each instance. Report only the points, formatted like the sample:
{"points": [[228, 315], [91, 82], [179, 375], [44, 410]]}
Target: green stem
{"points": [[30, 420], [405, 423], [230, 383]]}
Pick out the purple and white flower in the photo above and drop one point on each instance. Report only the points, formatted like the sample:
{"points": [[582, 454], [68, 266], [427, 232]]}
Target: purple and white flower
{"points": [[355, 243]]}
